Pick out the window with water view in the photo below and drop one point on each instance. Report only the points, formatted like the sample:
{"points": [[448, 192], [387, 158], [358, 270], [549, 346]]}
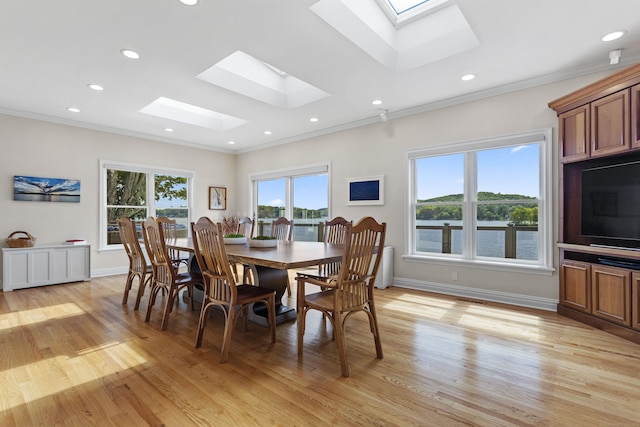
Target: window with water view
{"points": [[140, 194], [483, 202], [296, 195]]}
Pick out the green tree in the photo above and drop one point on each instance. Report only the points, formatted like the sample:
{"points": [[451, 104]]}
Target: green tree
{"points": [[521, 215], [129, 189]]}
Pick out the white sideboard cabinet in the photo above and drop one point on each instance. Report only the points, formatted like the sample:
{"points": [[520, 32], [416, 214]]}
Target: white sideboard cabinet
{"points": [[44, 265]]}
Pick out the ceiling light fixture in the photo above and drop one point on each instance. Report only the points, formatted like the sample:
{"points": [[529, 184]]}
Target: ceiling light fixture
{"points": [[614, 56], [377, 102], [168, 130], [131, 54], [231, 142], [267, 132], [468, 77], [189, 2], [313, 119], [613, 36], [95, 87], [73, 109]]}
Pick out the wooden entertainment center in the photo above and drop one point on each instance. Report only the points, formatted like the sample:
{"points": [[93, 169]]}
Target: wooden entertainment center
{"points": [[599, 125]]}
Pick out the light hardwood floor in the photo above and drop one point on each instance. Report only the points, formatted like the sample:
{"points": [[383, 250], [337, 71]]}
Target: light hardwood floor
{"points": [[73, 355]]}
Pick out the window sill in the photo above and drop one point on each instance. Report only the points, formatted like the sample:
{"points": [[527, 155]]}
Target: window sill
{"points": [[482, 264]]}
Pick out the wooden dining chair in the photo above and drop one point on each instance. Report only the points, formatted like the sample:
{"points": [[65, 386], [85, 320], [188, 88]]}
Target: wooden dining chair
{"points": [[165, 275], [245, 227], [138, 267], [282, 229], [220, 288], [334, 232], [351, 291], [170, 232]]}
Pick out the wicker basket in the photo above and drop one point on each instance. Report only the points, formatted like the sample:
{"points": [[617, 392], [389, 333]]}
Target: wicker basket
{"points": [[20, 242]]}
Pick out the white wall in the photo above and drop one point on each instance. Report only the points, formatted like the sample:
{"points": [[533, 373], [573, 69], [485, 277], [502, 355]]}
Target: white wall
{"points": [[37, 148], [379, 149]]}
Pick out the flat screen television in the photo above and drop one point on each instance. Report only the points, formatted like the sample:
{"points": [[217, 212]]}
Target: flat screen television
{"points": [[611, 202]]}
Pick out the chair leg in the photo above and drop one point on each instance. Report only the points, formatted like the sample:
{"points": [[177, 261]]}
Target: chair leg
{"points": [[172, 295], [338, 328], [190, 290], [228, 332], [373, 322], [152, 300], [245, 317], [127, 288], [202, 322], [302, 313], [144, 281], [271, 312]]}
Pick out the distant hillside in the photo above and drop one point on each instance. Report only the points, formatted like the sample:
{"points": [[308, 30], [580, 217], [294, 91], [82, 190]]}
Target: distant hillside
{"points": [[518, 213], [482, 196]]}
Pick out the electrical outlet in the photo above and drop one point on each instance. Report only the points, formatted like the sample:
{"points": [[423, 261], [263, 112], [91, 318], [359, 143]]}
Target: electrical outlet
{"points": [[454, 275]]}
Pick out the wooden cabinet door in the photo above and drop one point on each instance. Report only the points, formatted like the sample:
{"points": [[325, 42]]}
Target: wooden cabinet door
{"points": [[575, 289], [611, 294], [635, 301], [610, 124], [573, 138], [635, 117]]}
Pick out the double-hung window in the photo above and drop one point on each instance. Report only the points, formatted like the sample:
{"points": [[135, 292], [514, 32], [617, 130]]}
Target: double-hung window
{"points": [[137, 192], [301, 194], [482, 202]]}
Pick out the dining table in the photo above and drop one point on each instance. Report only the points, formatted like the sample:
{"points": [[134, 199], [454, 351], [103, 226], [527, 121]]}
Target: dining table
{"points": [[270, 267]]}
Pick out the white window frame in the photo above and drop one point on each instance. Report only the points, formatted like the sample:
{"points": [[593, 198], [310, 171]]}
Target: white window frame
{"points": [[149, 170], [544, 265], [288, 174]]}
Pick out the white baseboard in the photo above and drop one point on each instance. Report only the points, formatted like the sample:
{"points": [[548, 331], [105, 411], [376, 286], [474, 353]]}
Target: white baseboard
{"points": [[102, 272], [547, 304]]}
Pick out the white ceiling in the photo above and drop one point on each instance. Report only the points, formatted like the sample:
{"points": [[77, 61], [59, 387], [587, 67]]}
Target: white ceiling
{"points": [[51, 50]]}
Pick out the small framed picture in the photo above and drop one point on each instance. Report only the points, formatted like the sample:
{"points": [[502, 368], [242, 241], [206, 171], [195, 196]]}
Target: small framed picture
{"points": [[366, 191], [217, 198]]}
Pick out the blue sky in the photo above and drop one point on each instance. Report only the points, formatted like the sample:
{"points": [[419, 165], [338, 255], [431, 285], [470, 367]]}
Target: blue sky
{"points": [[509, 170], [308, 192]]}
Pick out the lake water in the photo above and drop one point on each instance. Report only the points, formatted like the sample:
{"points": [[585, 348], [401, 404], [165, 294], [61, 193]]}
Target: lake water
{"points": [[490, 243]]}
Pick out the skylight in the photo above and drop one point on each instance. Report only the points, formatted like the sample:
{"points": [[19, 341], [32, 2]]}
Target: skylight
{"points": [[426, 32], [186, 113], [402, 6], [249, 76], [401, 12]]}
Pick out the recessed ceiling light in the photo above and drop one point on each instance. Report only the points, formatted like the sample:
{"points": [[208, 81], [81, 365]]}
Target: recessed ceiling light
{"points": [[73, 109], [613, 36], [267, 132], [131, 54], [189, 2], [231, 142], [95, 87], [468, 77], [313, 119], [377, 102], [168, 130]]}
